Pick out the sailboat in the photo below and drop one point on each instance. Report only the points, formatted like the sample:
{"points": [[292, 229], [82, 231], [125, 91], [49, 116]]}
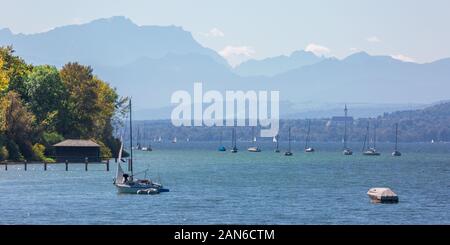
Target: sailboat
{"points": [[347, 151], [254, 148], [307, 147], [289, 152], [234, 148], [370, 151], [174, 140], [159, 139], [276, 140], [396, 152], [221, 147], [126, 182]]}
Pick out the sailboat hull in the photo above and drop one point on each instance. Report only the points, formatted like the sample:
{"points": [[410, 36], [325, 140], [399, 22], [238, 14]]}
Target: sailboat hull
{"points": [[138, 188], [254, 149]]}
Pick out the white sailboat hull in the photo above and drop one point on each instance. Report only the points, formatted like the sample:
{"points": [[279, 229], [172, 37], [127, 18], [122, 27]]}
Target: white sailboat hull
{"points": [[137, 188]]}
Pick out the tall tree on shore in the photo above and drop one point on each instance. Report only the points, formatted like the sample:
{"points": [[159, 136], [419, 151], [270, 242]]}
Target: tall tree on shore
{"points": [[47, 96], [17, 125]]}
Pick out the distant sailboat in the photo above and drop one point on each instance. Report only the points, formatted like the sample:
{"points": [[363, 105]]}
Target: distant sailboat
{"points": [[159, 139], [221, 147], [370, 151], [307, 147], [396, 152], [276, 140], [187, 139], [254, 148], [234, 148], [174, 140], [347, 151], [289, 152]]}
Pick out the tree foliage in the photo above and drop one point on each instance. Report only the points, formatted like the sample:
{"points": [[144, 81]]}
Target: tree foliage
{"points": [[41, 105]]}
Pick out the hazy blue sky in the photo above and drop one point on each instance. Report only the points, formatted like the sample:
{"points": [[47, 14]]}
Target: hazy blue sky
{"points": [[407, 29]]}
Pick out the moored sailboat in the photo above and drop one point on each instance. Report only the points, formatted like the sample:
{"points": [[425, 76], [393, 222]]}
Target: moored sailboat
{"points": [[370, 151], [347, 151], [396, 152], [308, 148], [254, 148], [276, 140], [289, 152], [234, 148], [126, 182]]}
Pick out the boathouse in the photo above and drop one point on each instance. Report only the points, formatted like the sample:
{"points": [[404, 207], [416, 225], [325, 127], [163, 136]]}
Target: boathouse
{"points": [[73, 150]]}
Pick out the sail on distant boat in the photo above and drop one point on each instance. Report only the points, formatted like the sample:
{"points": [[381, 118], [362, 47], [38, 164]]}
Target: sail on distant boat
{"points": [[254, 148], [308, 148], [277, 148], [174, 140]]}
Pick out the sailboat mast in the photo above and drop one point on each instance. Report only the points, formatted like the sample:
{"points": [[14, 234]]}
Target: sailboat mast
{"points": [[345, 127], [396, 136], [289, 139], [365, 137], [131, 140], [375, 136], [307, 134]]}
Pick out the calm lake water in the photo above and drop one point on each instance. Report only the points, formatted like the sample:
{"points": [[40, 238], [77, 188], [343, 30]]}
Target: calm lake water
{"points": [[210, 187]]}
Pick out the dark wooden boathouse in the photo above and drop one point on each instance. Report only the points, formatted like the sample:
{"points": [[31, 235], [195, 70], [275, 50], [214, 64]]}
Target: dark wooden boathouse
{"points": [[73, 150]]}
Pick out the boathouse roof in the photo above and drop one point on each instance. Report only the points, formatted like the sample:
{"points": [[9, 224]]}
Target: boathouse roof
{"points": [[76, 143]]}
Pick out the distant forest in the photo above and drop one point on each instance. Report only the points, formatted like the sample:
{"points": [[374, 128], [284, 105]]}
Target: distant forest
{"points": [[432, 123]]}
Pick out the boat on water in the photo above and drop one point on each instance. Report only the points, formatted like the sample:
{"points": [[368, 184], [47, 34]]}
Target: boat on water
{"points": [[128, 182], [174, 140], [159, 139], [221, 146], [370, 151], [382, 195], [234, 148], [148, 148], [289, 152], [308, 149], [276, 141], [396, 152], [346, 151], [254, 148]]}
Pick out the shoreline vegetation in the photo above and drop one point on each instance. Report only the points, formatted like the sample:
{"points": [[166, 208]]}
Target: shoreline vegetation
{"points": [[42, 105]]}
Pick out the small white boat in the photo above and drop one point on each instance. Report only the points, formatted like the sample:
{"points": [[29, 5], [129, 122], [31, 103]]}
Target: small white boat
{"points": [[371, 152], [174, 140], [254, 149], [347, 152], [309, 149], [382, 195]]}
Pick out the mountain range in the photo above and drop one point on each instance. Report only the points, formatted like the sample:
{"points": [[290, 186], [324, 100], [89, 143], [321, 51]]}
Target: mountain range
{"points": [[149, 63]]}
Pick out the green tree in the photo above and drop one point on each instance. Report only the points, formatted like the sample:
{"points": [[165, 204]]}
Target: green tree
{"points": [[17, 126], [82, 104], [16, 69], [47, 95]]}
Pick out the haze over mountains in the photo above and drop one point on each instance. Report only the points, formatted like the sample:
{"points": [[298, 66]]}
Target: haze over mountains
{"points": [[151, 62]]}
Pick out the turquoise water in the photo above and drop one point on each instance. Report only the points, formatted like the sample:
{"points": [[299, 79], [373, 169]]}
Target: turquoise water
{"points": [[211, 187]]}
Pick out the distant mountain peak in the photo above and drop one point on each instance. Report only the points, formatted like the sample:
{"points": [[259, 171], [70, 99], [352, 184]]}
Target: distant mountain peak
{"points": [[5, 31], [279, 64]]}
